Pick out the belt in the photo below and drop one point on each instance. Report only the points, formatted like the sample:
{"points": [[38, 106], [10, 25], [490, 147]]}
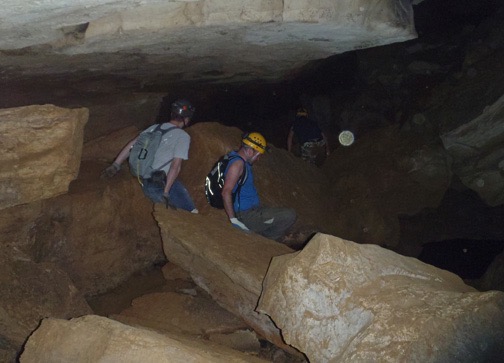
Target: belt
{"points": [[313, 141]]}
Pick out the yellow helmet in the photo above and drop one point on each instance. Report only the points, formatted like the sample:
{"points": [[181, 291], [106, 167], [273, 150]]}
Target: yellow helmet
{"points": [[301, 112], [256, 141]]}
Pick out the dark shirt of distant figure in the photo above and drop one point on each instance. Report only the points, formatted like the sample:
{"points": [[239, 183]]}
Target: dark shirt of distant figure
{"points": [[306, 130]]}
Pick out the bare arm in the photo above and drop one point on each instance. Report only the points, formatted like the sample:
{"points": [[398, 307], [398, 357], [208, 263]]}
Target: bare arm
{"points": [[328, 149], [173, 173], [289, 140], [123, 155], [233, 174]]}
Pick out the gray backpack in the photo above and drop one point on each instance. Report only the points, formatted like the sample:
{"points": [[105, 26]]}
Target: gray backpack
{"points": [[144, 150]]}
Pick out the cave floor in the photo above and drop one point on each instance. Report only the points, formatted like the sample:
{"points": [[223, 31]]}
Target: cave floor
{"points": [[115, 302]]}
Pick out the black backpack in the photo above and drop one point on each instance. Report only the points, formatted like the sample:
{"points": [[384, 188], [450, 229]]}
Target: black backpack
{"points": [[215, 181]]}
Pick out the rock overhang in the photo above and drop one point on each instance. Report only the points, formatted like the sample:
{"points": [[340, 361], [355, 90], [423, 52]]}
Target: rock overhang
{"points": [[187, 41]]}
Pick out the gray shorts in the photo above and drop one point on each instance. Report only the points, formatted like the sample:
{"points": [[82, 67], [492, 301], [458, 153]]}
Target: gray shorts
{"points": [[268, 222]]}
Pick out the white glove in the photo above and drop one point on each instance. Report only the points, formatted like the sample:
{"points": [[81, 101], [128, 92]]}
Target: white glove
{"points": [[237, 224]]}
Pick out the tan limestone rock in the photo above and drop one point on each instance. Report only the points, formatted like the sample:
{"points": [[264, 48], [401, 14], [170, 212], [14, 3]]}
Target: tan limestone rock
{"points": [[29, 292], [340, 301], [106, 148], [100, 233], [242, 340], [227, 263], [97, 339], [179, 313], [111, 109], [16, 225], [159, 42], [174, 272], [40, 152]]}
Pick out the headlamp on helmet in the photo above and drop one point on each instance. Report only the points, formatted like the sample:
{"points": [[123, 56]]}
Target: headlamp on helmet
{"points": [[182, 108], [301, 112]]}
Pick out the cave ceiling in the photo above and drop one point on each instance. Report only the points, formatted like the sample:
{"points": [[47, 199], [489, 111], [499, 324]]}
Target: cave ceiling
{"points": [[153, 42]]}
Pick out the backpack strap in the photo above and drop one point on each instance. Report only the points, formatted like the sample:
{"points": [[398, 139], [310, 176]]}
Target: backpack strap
{"points": [[242, 179], [244, 175]]}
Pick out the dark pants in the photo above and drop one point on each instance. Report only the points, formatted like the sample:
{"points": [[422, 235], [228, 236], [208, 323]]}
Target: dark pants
{"points": [[314, 152], [268, 222]]}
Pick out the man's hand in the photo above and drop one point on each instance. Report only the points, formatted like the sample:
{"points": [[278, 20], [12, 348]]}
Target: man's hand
{"points": [[168, 204], [110, 171], [237, 224]]}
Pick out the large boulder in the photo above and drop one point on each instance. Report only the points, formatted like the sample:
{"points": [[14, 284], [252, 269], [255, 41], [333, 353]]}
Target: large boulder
{"points": [[478, 153], [227, 263], [100, 233], [30, 292], [106, 148], [16, 225], [340, 301], [41, 151], [97, 339]]}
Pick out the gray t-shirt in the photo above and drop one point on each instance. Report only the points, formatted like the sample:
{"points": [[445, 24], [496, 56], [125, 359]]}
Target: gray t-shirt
{"points": [[174, 144]]}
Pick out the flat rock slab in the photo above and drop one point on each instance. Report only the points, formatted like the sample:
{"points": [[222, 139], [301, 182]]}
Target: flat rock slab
{"points": [[227, 263], [338, 301], [97, 339], [179, 313]]}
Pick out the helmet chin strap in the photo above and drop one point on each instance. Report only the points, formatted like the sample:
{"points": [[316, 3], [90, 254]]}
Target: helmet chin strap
{"points": [[255, 156], [184, 123]]}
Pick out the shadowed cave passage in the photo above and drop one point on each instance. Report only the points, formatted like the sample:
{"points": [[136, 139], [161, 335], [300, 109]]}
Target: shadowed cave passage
{"points": [[467, 258]]}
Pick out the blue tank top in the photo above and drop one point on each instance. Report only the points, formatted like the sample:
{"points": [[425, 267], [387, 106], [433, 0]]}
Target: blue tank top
{"points": [[247, 196]]}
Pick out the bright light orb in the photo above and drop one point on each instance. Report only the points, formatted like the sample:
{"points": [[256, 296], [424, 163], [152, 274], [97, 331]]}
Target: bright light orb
{"points": [[346, 138]]}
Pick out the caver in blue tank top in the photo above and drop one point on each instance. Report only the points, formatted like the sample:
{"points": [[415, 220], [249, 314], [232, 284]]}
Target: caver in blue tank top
{"points": [[247, 196]]}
